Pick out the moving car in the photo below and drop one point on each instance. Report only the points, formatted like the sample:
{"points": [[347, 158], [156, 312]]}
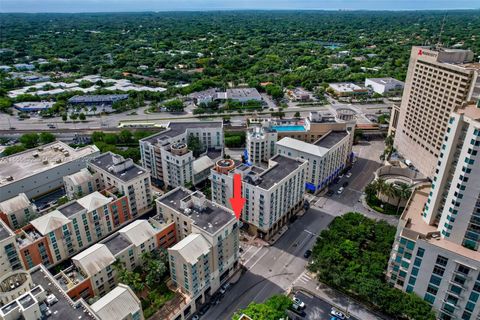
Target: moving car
{"points": [[298, 302], [340, 190], [307, 253]]}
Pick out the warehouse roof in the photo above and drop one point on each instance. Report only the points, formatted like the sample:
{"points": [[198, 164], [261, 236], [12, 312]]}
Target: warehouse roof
{"points": [[104, 98]]}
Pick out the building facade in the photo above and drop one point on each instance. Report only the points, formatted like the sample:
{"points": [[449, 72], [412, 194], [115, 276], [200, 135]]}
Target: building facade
{"points": [[327, 157], [166, 154], [79, 184], [436, 249], [17, 211], [438, 81], [260, 144], [273, 195], [124, 177]]}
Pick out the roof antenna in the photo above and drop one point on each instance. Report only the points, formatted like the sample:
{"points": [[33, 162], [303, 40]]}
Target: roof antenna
{"points": [[439, 43]]}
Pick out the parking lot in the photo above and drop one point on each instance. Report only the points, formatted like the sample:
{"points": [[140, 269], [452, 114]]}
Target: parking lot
{"points": [[316, 308]]}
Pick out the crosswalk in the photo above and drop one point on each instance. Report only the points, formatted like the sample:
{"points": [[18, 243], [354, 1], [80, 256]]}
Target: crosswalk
{"points": [[304, 278]]}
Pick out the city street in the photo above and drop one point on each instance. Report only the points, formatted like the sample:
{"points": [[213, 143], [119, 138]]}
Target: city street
{"points": [[273, 270]]}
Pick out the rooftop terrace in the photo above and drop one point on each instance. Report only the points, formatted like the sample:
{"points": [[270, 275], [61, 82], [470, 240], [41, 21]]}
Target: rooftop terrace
{"points": [[107, 161], [278, 172], [331, 139]]}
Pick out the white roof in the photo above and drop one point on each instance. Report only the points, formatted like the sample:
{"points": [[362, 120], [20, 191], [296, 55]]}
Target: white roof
{"points": [[117, 304], [94, 259], [138, 232], [49, 222], [81, 176], [94, 201], [192, 247], [301, 146], [344, 87], [16, 203], [384, 81], [201, 164]]}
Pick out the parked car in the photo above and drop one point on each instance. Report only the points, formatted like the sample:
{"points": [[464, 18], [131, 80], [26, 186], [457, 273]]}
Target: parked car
{"points": [[196, 317], [348, 175], [338, 314], [296, 308], [307, 253], [51, 299], [298, 302], [340, 176], [340, 190], [330, 193], [345, 184]]}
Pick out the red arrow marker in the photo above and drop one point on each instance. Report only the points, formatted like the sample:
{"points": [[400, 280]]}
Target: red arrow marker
{"points": [[237, 202]]}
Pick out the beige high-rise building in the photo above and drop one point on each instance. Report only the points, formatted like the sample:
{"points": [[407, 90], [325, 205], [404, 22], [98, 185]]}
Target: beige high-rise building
{"points": [[438, 81]]}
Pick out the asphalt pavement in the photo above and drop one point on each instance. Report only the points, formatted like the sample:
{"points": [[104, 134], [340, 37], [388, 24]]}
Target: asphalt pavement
{"points": [[315, 308]]}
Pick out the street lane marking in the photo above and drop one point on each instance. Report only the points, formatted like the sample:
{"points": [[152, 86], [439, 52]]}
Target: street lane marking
{"points": [[261, 257], [252, 256], [249, 248]]}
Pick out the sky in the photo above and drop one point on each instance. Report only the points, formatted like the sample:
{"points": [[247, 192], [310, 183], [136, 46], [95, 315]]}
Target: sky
{"points": [[200, 5]]}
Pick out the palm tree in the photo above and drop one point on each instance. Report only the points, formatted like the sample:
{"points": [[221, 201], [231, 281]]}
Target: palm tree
{"points": [[404, 191]]}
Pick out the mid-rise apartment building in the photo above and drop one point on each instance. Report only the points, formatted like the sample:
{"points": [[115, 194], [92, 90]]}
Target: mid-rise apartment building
{"points": [[327, 157], [17, 211], [65, 231], [260, 144], [80, 184], [38, 171], [117, 173], [272, 194], [208, 252], [167, 156], [9, 254], [438, 81], [93, 274], [119, 304], [436, 249]]}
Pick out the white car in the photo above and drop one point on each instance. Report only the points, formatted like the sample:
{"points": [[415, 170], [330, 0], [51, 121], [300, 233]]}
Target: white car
{"points": [[298, 302], [348, 175], [51, 299], [340, 190], [339, 315]]}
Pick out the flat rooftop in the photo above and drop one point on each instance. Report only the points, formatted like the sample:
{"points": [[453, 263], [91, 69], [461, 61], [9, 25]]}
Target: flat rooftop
{"points": [[63, 309], [177, 128], [107, 160], [282, 169], [71, 209], [33, 161], [384, 81], [211, 219], [243, 93], [117, 243], [331, 139]]}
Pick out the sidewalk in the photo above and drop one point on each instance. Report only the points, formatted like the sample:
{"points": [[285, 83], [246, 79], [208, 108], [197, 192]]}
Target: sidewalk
{"points": [[337, 299]]}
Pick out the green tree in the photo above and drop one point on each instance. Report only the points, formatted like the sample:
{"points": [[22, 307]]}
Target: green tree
{"points": [[403, 192], [29, 140], [8, 151], [125, 136], [272, 309], [297, 114], [46, 137], [82, 116], [195, 145], [174, 105], [64, 117]]}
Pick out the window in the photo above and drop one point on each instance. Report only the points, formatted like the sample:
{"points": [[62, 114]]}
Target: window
{"points": [[435, 280], [441, 260]]}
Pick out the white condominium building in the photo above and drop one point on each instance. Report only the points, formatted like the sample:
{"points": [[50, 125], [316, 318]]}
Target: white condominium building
{"points": [[438, 81], [80, 184], [327, 157], [9, 254], [115, 172], [38, 171], [273, 195], [260, 144], [436, 250], [119, 304], [207, 254], [166, 154]]}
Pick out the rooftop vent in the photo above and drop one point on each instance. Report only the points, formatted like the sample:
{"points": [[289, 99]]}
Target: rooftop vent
{"points": [[45, 161], [9, 178]]}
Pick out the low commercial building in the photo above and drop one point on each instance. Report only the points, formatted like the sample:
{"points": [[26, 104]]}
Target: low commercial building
{"points": [[327, 157], [24, 66], [97, 100], [299, 94], [33, 106], [17, 211], [208, 252], [273, 195], [125, 177], [384, 85], [343, 89], [243, 94], [167, 156], [38, 171]]}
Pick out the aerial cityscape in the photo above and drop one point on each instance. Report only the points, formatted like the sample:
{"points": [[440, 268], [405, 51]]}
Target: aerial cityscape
{"points": [[239, 161]]}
